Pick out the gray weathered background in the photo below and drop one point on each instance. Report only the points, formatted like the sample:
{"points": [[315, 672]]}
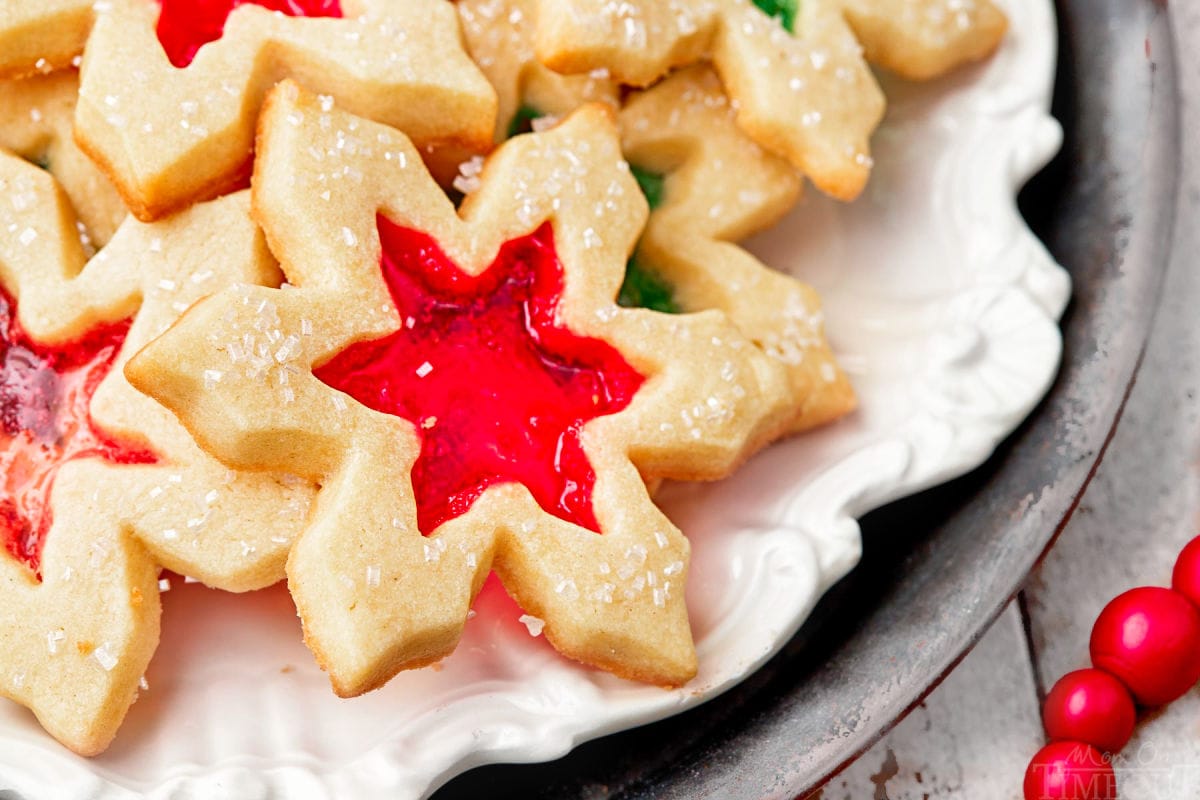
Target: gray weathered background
{"points": [[973, 736]]}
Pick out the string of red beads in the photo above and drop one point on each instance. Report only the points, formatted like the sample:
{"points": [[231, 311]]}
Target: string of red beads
{"points": [[1145, 648]]}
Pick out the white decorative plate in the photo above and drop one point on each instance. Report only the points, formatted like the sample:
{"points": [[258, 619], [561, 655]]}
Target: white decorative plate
{"points": [[943, 307]]}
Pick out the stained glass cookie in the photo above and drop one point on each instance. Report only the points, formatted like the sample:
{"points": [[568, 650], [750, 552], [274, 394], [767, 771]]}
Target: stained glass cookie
{"points": [[40, 36], [102, 486], [483, 405]]}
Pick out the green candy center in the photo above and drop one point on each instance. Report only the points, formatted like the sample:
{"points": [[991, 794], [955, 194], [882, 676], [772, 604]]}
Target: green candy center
{"points": [[651, 184], [643, 288], [783, 10]]}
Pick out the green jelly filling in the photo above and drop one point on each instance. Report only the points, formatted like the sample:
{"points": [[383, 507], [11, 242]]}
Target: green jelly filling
{"points": [[644, 289], [651, 184], [784, 10]]}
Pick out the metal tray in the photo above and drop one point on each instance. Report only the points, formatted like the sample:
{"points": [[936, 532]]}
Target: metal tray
{"points": [[939, 567]]}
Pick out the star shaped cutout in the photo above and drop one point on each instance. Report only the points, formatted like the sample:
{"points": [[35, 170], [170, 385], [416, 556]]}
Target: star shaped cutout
{"points": [[79, 602], [381, 586], [170, 136], [36, 118], [718, 187], [805, 93], [487, 341]]}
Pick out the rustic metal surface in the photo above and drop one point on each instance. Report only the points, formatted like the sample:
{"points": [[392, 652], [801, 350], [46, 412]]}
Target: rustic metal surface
{"points": [[939, 567], [940, 750], [1138, 511]]}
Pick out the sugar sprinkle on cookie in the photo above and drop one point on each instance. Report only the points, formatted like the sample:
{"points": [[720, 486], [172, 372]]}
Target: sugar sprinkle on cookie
{"points": [[439, 477]]}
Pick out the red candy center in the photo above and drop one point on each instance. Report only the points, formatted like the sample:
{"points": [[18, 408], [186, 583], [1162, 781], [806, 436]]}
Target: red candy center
{"points": [[44, 423], [184, 26], [498, 391]]}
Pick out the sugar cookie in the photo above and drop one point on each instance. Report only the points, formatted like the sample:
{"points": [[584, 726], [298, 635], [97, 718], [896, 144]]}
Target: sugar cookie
{"points": [[709, 186], [486, 405]]}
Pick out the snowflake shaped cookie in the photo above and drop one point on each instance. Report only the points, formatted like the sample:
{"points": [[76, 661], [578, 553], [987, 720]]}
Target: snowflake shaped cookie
{"points": [[102, 485], [797, 76], [36, 117], [709, 186], [479, 400], [168, 101]]}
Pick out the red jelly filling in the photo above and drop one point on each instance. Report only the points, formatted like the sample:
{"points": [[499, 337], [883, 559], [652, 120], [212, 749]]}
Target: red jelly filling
{"points": [[45, 422], [184, 26], [498, 391]]}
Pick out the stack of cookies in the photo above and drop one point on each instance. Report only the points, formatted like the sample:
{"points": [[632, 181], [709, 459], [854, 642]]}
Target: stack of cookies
{"points": [[382, 296]]}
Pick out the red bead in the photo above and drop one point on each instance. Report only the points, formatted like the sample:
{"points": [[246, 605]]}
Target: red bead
{"points": [[1149, 638], [1090, 706], [1186, 578], [1070, 771]]}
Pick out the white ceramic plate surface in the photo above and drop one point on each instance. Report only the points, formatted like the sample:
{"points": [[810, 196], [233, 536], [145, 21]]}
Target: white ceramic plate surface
{"points": [[941, 304]]}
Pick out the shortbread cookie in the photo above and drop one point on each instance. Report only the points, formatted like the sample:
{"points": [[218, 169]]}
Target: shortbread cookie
{"points": [[467, 394], [168, 104], [36, 116], [102, 485], [796, 75], [709, 186], [499, 36], [38, 36]]}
